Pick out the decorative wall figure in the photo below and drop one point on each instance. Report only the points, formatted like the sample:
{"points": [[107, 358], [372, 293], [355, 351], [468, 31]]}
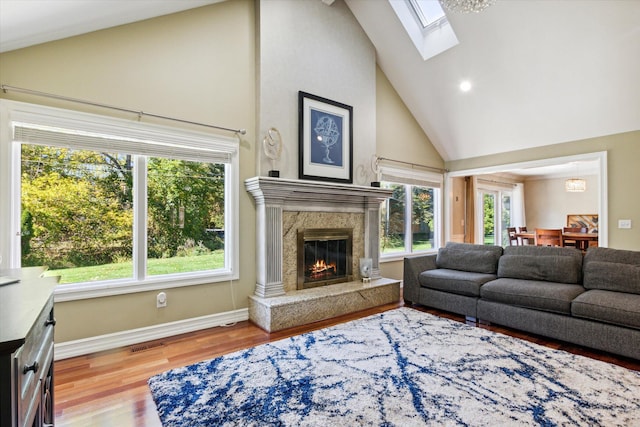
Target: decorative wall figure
{"points": [[272, 145]]}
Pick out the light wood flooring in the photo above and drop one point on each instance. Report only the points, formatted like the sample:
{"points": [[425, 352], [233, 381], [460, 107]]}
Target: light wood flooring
{"points": [[110, 388]]}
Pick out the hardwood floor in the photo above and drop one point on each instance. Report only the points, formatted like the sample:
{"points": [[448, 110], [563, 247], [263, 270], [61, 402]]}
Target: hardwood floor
{"points": [[110, 388]]}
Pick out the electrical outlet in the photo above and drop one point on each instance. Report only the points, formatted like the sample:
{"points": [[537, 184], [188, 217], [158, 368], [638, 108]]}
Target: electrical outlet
{"points": [[624, 223], [161, 300]]}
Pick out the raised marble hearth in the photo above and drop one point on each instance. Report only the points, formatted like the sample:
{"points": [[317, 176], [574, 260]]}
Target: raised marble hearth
{"points": [[315, 304], [284, 206]]}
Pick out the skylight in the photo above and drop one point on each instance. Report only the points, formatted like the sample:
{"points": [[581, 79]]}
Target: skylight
{"points": [[426, 24], [427, 12]]}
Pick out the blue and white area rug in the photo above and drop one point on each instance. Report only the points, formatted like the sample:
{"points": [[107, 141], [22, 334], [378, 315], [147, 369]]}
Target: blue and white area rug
{"points": [[399, 368]]}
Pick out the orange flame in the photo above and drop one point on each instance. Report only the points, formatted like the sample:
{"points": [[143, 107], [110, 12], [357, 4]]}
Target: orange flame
{"points": [[320, 267]]}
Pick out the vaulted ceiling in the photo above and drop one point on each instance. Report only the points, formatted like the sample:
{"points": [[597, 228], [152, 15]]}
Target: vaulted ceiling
{"points": [[543, 72]]}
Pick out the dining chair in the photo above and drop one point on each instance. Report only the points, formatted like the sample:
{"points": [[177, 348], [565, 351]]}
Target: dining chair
{"points": [[513, 240], [548, 237], [571, 243], [524, 240]]}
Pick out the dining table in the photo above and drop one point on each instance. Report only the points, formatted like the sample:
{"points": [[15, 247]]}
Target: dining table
{"points": [[582, 239]]}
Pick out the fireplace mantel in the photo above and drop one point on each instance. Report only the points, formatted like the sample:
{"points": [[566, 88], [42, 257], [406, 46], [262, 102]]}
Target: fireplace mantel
{"points": [[294, 194], [275, 195]]}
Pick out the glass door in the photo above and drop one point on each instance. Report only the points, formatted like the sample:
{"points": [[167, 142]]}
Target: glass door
{"points": [[494, 217], [505, 217], [488, 228]]}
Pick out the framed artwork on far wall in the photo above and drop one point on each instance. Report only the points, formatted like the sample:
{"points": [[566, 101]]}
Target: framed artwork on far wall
{"points": [[588, 221], [325, 130]]}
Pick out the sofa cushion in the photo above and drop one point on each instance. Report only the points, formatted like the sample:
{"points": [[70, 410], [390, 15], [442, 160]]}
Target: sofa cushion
{"points": [[612, 276], [559, 269], [455, 281], [539, 295], [562, 265], [612, 255], [612, 270], [469, 257], [607, 306]]}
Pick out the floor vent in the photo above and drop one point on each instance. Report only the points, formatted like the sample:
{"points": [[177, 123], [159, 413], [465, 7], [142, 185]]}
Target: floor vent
{"points": [[145, 346]]}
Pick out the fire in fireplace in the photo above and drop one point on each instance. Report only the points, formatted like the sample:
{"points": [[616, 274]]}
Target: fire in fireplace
{"points": [[324, 256]]}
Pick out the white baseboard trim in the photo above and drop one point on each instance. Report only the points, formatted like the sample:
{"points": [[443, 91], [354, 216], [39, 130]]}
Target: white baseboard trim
{"points": [[84, 346]]}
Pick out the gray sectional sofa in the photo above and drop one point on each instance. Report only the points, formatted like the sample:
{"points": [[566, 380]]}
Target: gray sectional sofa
{"points": [[591, 300]]}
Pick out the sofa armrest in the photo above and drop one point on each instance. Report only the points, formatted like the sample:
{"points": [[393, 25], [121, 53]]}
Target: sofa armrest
{"points": [[412, 268]]}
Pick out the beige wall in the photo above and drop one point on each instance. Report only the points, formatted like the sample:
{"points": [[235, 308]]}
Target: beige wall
{"points": [[201, 65], [541, 194], [204, 65], [303, 48], [399, 137], [623, 152], [198, 65]]}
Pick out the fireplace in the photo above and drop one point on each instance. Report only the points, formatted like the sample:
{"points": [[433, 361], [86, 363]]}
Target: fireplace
{"points": [[286, 206], [324, 256]]}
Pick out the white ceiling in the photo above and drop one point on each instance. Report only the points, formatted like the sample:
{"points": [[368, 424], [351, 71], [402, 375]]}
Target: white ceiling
{"points": [[573, 169], [28, 22], [543, 72]]}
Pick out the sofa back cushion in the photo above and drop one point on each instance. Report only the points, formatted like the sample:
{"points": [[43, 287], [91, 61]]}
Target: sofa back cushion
{"points": [[560, 265], [612, 270], [469, 257]]}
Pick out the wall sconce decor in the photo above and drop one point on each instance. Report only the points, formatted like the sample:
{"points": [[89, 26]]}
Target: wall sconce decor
{"points": [[272, 145]]}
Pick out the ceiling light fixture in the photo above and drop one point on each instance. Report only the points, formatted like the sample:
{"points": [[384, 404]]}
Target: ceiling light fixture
{"points": [[465, 86], [466, 6], [575, 185]]}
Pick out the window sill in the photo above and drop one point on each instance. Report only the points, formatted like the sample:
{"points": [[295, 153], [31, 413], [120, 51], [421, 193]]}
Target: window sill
{"points": [[80, 291], [402, 255]]}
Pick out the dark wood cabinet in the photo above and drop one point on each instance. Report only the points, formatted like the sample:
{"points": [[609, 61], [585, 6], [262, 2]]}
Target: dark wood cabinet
{"points": [[26, 349]]}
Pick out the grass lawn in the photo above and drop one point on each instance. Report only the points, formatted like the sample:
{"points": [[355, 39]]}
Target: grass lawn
{"points": [[124, 270], [417, 246]]}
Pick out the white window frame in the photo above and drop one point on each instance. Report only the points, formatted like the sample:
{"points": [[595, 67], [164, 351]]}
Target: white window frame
{"points": [[199, 142], [411, 178], [429, 41], [497, 229], [428, 13], [498, 191]]}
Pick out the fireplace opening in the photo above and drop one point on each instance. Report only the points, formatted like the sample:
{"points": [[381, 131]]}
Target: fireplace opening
{"points": [[324, 256]]}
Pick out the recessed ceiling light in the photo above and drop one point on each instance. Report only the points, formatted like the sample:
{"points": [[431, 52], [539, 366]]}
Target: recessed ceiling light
{"points": [[465, 86]]}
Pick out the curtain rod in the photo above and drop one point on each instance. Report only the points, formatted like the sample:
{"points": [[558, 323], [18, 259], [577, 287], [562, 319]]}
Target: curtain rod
{"points": [[139, 113], [378, 159], [493, 181]]}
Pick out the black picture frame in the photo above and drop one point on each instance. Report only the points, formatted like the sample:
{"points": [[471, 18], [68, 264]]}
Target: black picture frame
{"points": [[325, 137]]}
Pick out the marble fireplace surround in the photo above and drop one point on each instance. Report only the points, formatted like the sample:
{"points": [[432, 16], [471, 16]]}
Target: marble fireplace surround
{"points": [[282, 207]]}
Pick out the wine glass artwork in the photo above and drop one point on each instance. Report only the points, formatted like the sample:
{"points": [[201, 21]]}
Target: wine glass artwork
{"points": [[325, 143], [327, 134]]}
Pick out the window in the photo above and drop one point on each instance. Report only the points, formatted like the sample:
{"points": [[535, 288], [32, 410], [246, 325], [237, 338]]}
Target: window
{"points": [[497, 199], [427, 12], [410, 218], [426, 25], [114, 206]]}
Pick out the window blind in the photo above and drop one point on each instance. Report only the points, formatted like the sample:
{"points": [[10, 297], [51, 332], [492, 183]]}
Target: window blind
{"points": [[142, 142], [411, 177]]}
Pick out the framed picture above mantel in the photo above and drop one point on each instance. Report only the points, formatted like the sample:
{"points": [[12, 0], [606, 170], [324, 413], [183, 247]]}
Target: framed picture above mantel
{"points": [[325, 139]]}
